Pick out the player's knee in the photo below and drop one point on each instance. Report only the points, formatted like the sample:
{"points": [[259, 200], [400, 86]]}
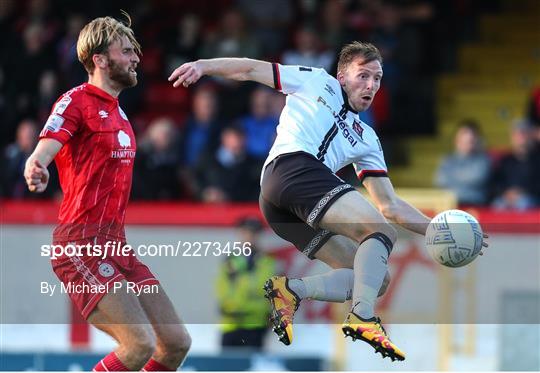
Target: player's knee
{"points": [[181, 345], [175, 345], [389, 232], [386, 235], [185, 343], [143, 350], [141, 345]]}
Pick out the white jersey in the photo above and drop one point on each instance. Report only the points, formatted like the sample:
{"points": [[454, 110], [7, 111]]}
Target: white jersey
{"points": [[317, 119]]}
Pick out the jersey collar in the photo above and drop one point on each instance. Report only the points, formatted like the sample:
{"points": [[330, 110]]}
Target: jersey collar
{"points": [[96, 91], [346, 102]]}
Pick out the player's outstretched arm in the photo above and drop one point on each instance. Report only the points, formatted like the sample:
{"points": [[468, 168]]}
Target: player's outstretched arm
{"points": [[230, 68], [394, 208], [35, 169], [397, 210]]}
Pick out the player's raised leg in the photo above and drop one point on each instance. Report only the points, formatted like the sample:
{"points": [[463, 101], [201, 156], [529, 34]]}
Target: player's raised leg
{"points": [[337, 251], [353, 216], [120, 315], [335, 285], [172, 338]]}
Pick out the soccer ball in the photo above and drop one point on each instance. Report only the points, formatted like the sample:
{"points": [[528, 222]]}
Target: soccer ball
{"points": [[454, 238]]}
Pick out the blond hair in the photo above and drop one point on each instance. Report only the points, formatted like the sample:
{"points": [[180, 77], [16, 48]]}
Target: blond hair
{"points": [[357, 48], [99, 34]]}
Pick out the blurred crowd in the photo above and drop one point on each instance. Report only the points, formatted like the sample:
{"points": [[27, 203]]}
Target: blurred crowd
{"points": [[506, 180], [208, 143]]}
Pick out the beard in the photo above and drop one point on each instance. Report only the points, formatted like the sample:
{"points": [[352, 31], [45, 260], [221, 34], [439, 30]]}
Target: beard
{"points": [[120, 76]]}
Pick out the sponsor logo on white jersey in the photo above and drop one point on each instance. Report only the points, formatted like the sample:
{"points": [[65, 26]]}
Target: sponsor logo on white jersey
{"points": [[329, 89], [342, 124]]}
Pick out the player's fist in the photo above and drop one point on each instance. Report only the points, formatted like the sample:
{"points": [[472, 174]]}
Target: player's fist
{"points": [[36, 176], [187, 74]]}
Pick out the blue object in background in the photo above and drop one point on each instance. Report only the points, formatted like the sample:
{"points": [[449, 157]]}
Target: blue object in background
{"points": [[232, 361]]}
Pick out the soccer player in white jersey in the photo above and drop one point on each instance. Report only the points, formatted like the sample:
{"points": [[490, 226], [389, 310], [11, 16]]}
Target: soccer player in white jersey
{"points": [[319, 132]]}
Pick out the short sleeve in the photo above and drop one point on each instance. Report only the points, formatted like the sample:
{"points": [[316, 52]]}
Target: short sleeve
{"points": [[372, 164], [64, 120], [290, 78]]}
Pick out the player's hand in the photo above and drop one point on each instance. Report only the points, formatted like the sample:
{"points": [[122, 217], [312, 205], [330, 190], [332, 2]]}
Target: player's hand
{"points": [[187, 74], [484, 243], [36, 176]]}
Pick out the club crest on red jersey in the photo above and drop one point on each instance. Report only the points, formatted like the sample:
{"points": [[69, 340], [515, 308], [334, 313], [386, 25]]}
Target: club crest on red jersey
{"points": [[106, 270]]}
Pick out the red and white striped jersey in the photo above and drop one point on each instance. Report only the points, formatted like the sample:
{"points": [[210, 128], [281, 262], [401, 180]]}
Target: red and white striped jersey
{"points": [[318, 119], [95, 164]]}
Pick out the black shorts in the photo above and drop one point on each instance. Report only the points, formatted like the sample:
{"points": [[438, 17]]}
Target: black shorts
{"points": [[297, 189]]}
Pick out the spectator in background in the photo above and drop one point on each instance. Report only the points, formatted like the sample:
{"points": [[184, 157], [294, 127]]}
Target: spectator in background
{"points": [[8, 43], [72, 72], [229, 173], [33, 60], [15, 155], [4, 132], [202, 128], [8, 18], [48, 94], [185, 40], [516, 179], [157, 166], [309, 51], [43, 13], [466, 172], [277, 103], [399, 31], [232, 39], [335, 32], [270, 21], [386, 36], [14, 158], [244, 311], [260, 124], [533, 114]]}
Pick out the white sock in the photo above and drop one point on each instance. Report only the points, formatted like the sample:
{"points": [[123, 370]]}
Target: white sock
{"points": [[370, 266], [332, 286], [298, 287]]}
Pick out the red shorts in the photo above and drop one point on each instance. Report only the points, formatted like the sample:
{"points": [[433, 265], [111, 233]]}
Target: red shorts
{"points": [[87, 279]]}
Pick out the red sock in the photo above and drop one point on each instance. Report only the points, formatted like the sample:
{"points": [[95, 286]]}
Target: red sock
{"points": [[154, 366], [110, 363]]}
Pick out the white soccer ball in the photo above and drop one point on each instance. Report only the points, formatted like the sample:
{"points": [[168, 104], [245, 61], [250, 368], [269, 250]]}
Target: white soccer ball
{"points": [[454, 238]]}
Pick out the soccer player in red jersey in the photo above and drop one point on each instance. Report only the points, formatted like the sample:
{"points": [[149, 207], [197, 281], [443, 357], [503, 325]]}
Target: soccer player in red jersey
{"points": [[92, 142]]}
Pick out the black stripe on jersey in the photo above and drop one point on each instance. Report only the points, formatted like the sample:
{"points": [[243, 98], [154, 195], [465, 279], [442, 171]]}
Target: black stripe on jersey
{"points": [[332, 132], [277, 80]]}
